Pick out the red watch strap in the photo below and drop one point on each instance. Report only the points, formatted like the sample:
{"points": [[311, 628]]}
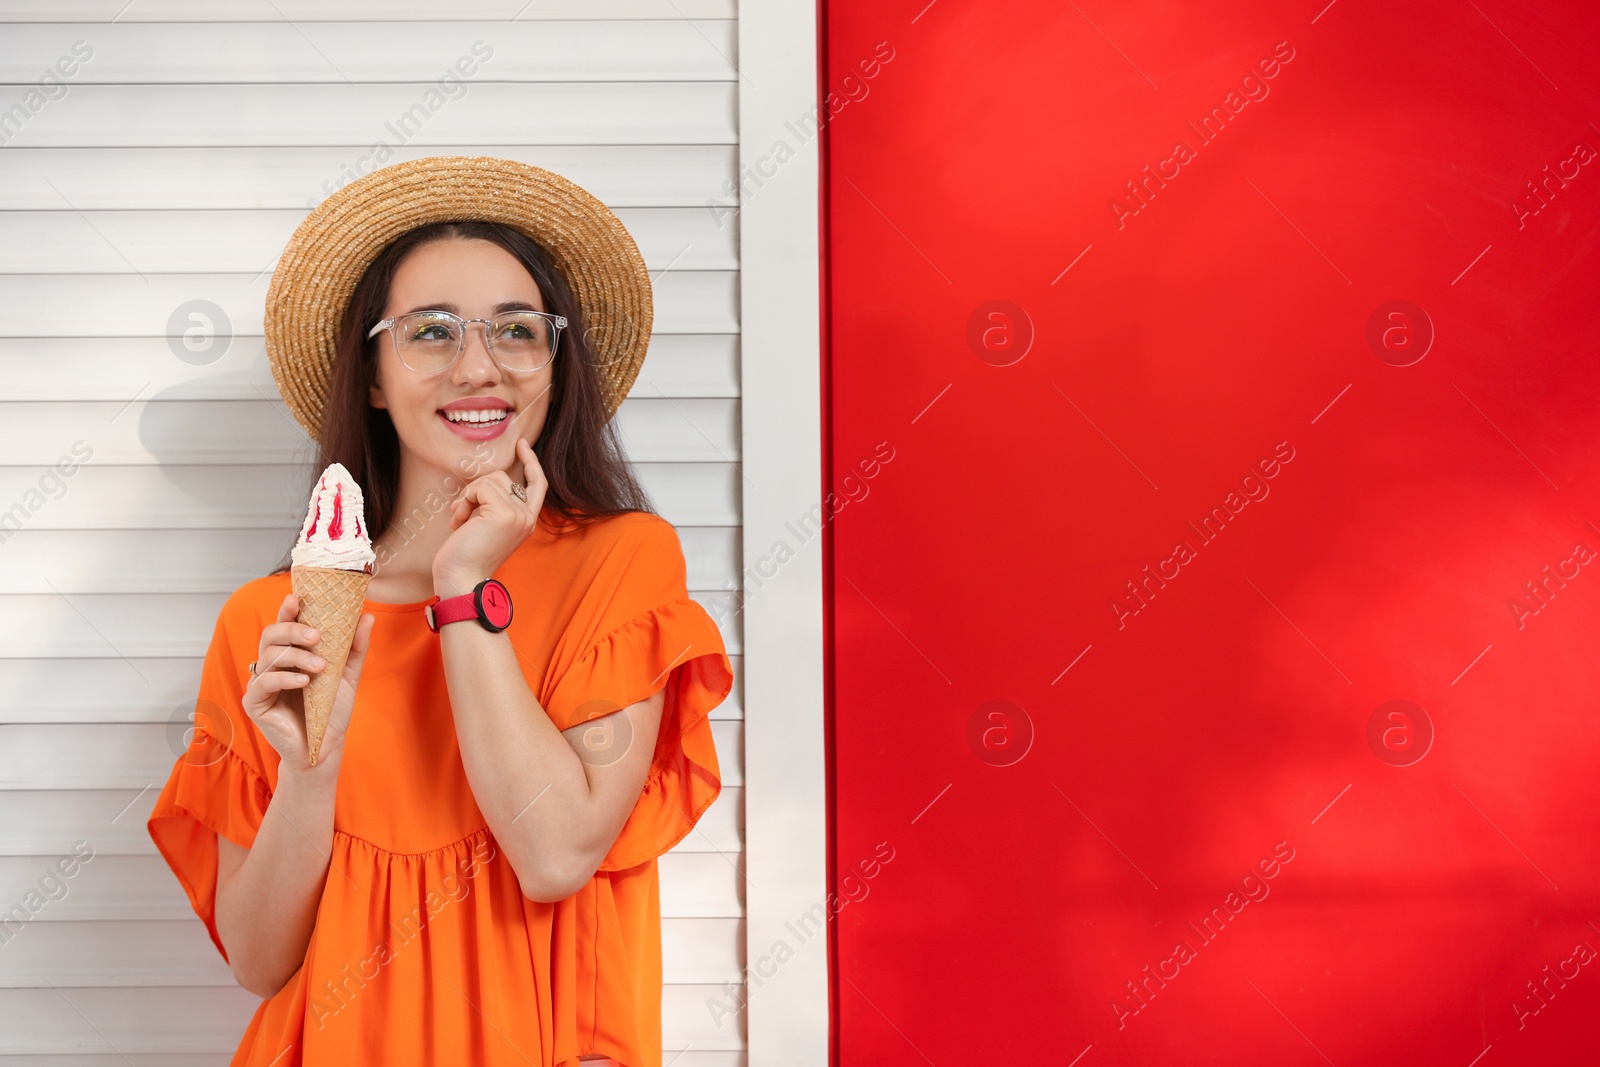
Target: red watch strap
{"points": [[455, 609]]}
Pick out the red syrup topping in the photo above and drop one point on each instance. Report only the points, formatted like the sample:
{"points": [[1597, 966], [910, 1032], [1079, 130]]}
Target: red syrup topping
{"points": [[336, 524], [316, 516]]}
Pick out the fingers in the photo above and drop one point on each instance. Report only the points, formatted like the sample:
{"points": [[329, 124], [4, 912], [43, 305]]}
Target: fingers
{"points": [[290, 658], [475, 496], [286, 631], [266, 688], [281, 664]]}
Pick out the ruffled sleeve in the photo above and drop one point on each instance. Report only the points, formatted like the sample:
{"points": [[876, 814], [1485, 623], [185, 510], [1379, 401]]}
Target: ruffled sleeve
{"points": [[220, 784], [640, 632]]}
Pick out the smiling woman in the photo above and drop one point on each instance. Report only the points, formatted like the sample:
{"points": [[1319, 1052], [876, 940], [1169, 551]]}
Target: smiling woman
{"points": [[516, 783], [559, 408]]}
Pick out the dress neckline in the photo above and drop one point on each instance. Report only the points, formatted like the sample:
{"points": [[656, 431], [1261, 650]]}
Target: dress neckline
{"points": [[378, 605]]}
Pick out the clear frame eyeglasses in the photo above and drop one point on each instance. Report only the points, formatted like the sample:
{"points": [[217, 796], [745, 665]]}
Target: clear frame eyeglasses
{"points": [[431, 341]]}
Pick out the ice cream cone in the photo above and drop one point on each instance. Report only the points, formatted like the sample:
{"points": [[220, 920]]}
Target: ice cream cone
{"points": [[330, 600], [330, 567]]}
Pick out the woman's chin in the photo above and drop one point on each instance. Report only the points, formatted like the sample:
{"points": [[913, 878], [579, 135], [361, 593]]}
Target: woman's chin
{"points": [[469, 457]]}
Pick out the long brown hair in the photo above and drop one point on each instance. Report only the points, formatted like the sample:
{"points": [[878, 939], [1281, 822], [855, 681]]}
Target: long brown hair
{"points": [[587, 470]]}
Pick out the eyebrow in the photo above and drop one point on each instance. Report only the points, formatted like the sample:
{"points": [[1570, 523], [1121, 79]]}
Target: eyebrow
{"points": [[454, 309]]}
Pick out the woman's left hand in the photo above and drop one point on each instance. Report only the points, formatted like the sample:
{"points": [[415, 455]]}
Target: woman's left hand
{"points": [[489, 523]]}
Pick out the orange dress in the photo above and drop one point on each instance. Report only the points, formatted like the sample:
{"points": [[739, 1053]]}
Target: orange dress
{"points": [[424, 950]]}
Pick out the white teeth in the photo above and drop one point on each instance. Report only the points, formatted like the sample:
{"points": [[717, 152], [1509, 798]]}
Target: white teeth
{"points": [[481, 416]]}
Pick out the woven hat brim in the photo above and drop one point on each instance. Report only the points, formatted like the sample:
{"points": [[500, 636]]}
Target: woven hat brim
{"points": [[334, 244]]}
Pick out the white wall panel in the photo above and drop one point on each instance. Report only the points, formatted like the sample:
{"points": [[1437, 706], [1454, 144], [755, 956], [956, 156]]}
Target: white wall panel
{"points": [[102, 689], [168, 952], [219, 561], [653, 430], [173, 168], [689, 1058], [44, 823], [134, 755], [152, 1020], [340, 113], [292, 176], [136, 304], [276, 51], [67, 241], [373, 10], [126, 624], [129, 368], [694, 885], [204, 497]]}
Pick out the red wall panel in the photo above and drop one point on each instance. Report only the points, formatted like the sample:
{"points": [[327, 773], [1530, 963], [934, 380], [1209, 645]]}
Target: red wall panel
{"points": [[1215, 561]]}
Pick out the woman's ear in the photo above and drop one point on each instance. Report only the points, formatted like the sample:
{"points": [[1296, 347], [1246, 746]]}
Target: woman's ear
{"points": [[375, 392]]}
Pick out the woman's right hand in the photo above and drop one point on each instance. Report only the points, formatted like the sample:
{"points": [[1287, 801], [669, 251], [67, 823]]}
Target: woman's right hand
{"points": [[275, 700]]}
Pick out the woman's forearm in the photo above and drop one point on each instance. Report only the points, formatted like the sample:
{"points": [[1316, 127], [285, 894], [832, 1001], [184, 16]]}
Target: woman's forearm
{"points": [[267, 906], [528, 782]]}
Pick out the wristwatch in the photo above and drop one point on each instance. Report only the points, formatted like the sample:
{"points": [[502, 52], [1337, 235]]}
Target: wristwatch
{"points": [[489, 603]]}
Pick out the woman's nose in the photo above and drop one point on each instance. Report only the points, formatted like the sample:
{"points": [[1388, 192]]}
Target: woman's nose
{"points": [[475, 364]]}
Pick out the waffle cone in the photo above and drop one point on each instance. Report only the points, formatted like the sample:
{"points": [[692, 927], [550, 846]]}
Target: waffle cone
{"points": [[330, 600]]}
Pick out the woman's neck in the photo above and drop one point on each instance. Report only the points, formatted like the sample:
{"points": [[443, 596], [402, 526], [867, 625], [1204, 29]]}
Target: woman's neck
{"points": [[419, 526]]}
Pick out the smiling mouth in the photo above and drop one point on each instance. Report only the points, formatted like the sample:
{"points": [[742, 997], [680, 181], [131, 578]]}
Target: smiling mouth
{"points": [[481, 417]]}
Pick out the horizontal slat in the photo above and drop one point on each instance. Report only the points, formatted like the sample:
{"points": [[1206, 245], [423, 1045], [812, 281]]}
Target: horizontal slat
{"points": [[117, 1059], [701, 885], [49, 822], [131, 305], [139, 561], [672, 1056], [106, 689], [694, 885], [139, 178], [375, 10], [143, 1021], [138, 368], [61, 240], [160, 624], [569, 113], [220, 561], [106, 887], [243, 497], [168, 952], [112, 952], [276, 51], [131, 1021], [186, 432], [134, 755]]}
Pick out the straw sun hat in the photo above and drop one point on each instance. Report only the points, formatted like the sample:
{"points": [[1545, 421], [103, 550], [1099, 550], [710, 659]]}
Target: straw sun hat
{"points": [[333, 246]]}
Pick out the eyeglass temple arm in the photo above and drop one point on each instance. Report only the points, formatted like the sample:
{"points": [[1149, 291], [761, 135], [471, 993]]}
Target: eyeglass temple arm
{"points": [[384, 325]]}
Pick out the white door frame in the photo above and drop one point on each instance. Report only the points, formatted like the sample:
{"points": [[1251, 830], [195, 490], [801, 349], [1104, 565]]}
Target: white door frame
{"points": [[781, 407]]}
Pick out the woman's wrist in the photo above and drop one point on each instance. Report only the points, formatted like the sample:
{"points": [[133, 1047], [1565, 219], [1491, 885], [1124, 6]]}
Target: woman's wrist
{"points": [[449, 583], [312, 787]]}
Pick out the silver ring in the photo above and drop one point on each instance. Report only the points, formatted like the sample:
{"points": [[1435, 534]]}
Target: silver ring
{"points": [[517, 491], [252, 668]]}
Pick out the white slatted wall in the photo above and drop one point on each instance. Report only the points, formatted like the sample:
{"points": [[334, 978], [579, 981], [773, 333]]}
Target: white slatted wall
{"points": [[171, 166]]}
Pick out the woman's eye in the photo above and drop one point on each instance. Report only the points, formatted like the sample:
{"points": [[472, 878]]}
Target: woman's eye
{"points": [[517, 332], [432, 333]]}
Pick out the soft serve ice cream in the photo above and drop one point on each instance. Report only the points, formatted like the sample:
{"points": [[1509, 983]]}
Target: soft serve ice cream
{"points": [[333, 534], [331, 567]]}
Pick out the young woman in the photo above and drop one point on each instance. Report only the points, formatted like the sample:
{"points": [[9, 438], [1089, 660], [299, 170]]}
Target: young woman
{"points": [[467, 874]]}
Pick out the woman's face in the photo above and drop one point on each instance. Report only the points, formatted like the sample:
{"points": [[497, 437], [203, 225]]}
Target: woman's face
{"points": [[473, 279]]}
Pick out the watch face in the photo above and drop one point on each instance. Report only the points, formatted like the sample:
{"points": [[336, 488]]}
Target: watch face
{"points": [[494, 604]]}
